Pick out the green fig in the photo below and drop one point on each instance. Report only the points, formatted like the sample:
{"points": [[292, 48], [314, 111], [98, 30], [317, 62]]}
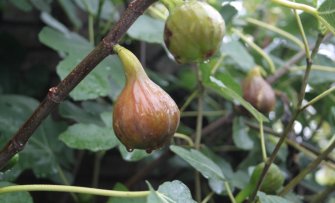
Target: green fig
{"points": [[193, 31], [144, 116], [274, 179], [258, 92]]}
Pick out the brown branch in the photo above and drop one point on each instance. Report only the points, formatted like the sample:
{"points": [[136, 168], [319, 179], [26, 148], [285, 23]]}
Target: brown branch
{"points": [[59, 93]]}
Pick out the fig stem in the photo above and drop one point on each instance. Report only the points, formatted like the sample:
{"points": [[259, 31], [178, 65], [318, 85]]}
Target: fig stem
{"points": [[261, 133], [230, 194], [208, 197], [298, 6], [317, 98], [131, 65], [277, 30], [184, 137], [171, 4], [73, 189], [256, 48], [189, 100]]}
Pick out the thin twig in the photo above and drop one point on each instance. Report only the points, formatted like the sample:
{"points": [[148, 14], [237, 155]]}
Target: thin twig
{"points": [[307, 169], [59, 93]]}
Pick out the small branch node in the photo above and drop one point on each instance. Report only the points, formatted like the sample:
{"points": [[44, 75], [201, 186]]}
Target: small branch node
{"points": [[108, 45], [54, 95]]}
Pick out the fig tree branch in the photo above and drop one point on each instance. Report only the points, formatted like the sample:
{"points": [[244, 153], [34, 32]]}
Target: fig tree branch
{"points": [[61, 91]]}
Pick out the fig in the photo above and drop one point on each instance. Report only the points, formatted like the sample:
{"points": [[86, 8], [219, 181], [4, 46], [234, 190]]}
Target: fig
{"points": [[258, 92], [274, 179], [144, 115], [193, 31]]}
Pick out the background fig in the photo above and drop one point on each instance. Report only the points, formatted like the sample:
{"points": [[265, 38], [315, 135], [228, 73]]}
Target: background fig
{"points": [[273, 180], [144, 116], [193, 32], [258, 92]]}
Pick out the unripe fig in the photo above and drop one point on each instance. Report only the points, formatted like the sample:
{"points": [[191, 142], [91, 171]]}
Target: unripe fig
{"points": [[193, 31], [144, 116], [258, 92], [273, 180]]}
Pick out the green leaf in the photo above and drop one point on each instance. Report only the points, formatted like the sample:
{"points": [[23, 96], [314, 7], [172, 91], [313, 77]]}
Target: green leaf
{"points": [[69, 110], [17, 197], [69, 42], [53, 22], [200, 162], [23, 5], [155, 197], [231, 95], [326, 13], [97, 83], [135, 155], [238, 53], [264, 198], [147, 29], [177, 191], [121, 187], [70, 9], [42, 5], [44, 153], [240, 135], [108, 10], [90, 137]]}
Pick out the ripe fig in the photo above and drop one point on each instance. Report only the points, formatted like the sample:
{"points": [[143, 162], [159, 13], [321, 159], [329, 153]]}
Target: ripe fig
{"points": [[144, 116], [258, 92], [193, 31], [273, 180]]}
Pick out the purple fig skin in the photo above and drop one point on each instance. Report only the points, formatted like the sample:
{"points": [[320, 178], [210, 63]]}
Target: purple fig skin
{"points": [[144, 116], [258, 92]]}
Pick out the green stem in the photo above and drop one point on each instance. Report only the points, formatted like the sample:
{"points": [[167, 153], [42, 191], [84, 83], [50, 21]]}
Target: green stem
{"points": [[298, 6], [157, 13], [198, 132], [261, 132], [317, 98], [91, 28], [65, 181], [230, 194], [197, 184], [189, 100], [244, 193], [303, 35], [96, 168], [276, 30], [296, 180], [217, 64], [208, 197], [315, 68], [171, 4], [256, 48], [74, 189], [184, 137], [205, 113]]}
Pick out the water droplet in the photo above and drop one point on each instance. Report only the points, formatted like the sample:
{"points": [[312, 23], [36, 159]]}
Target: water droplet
{"points": [[129, 149], [207, 61], [148, 151]]}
